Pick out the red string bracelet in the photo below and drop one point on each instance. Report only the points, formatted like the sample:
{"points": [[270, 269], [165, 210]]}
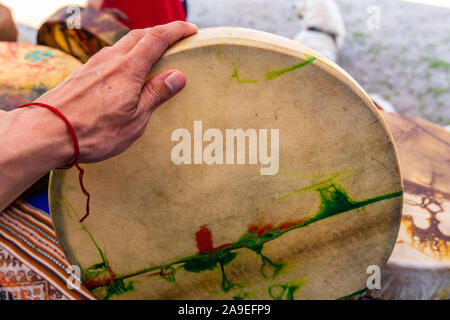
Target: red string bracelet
{"points": [[75, 146]]}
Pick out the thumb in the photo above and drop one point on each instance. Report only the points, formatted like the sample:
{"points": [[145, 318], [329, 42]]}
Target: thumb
{"points": [[160, 88]]}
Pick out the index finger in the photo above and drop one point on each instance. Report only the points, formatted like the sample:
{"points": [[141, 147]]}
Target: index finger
{"points": [[156, 40]]}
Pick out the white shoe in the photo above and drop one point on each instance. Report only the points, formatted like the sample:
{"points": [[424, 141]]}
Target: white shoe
{"points": [[323, 27]]}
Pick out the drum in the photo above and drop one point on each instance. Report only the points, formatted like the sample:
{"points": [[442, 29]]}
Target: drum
{"points": [[419, 267], [270, 176], [81, 32], [28, 71], [8, 30]]}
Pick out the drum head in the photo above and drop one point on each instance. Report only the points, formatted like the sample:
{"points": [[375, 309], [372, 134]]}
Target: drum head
{"points": [[81, 32], [28, 71], [302, 205], [419, 267]]}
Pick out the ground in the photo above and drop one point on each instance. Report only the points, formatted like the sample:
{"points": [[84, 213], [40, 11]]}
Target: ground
{"points": [[406, 61]]}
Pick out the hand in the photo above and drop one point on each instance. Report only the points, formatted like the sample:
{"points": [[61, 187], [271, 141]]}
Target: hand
{"points": [[108, 101]]}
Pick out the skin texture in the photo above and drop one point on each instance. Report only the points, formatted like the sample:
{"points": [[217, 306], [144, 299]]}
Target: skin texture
{"points": [[107, 100]]}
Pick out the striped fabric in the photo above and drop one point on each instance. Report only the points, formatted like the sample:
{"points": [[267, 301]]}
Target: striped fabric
{"points": [[32, 265]]}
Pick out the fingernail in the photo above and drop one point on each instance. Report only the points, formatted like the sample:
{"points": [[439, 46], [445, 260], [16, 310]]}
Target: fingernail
{"points": [[175, 82]]}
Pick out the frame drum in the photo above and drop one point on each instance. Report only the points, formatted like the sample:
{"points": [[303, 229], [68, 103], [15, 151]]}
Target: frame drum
{"points": [[419, 267], [81, 32], [28, 71], [271, 176]]}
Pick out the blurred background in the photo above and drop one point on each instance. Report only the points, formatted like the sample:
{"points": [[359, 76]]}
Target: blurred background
{"points": [[406, 60]]}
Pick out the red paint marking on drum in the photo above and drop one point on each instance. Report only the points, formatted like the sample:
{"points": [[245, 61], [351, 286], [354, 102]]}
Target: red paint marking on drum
{"points": [[289, 224], [260, 230], [101, 279], [203, 237], [161, 273]]}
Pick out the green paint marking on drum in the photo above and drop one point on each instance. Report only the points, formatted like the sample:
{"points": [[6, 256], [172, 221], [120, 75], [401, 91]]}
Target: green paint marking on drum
{"points": [[118, 288], [170, 275], [99, 267], [65, 206], [226, 284], [242, 296], [275, 268], [353, 295], [284, 291], [335, 175], [218, 53], [94, 269], [309, 56], [276, 73], [333, 200], [99, 274], [210, 262], [237, 77], [104, 263]]}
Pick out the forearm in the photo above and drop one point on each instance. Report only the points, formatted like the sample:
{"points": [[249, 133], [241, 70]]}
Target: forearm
{"points": [[32, 142], [108, 101]]}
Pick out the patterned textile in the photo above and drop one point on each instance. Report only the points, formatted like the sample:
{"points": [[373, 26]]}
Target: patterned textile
{"points": [[32, 265]]}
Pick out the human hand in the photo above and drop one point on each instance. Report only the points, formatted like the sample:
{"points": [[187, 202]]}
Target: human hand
{"points": [[108, 101]]}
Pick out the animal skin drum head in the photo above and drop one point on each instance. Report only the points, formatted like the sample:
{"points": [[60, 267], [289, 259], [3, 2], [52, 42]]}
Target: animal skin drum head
{"points": [[80, 31], [419, 267], [270, 176]]}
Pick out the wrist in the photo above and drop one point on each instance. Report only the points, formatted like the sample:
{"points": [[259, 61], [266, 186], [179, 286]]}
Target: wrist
{"points": [[50, 142]]}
